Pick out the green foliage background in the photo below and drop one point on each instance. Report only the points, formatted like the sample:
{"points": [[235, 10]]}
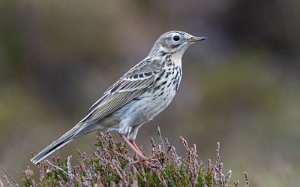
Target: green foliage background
{"points": [[240, 87]]}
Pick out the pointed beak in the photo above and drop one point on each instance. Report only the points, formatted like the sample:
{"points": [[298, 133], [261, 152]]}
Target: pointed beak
{"points": [[196, 39]]}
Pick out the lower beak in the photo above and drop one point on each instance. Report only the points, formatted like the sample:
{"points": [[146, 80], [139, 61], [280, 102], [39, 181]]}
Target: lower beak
{"points": [[196, 39]]}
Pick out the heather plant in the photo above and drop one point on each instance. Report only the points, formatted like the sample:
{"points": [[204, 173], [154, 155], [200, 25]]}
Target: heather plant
{"points": [[112, 165]]}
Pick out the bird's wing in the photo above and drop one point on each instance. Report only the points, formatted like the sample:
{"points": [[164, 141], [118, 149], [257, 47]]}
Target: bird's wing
{"points": [[129, 86]]}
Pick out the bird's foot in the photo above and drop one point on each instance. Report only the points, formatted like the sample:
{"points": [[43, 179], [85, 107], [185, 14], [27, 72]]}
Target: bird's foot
{"points": [[148, 159], [149, 163]]}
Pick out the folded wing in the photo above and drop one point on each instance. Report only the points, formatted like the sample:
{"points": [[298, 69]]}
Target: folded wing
{"points": [[129, 86]]}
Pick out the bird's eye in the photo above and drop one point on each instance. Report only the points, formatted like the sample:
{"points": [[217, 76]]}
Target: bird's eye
{"points": [[176, 38]]}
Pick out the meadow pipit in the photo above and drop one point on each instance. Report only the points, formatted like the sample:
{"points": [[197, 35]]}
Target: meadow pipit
{"points": [[137, 97]]}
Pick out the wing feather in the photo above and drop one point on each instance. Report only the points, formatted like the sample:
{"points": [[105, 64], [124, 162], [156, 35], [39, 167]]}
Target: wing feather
{"points": [[129, 86]]}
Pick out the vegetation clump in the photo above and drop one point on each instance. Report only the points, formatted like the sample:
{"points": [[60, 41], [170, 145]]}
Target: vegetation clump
{"points": [[111, 165]]}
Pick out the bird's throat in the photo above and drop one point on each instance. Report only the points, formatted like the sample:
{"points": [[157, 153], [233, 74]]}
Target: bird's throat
{"points": [[177, 59]]}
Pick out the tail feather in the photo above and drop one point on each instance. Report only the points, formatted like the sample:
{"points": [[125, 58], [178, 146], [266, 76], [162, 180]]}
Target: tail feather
{"points": [[63, 140]]}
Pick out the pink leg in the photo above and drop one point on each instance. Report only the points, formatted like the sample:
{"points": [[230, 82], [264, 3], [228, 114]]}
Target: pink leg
{"points": [[134, 144], [144, 158], [134, 147]]}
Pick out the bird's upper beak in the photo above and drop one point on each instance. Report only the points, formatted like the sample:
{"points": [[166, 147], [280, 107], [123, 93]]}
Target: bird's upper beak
{"points": [[196, 39]]}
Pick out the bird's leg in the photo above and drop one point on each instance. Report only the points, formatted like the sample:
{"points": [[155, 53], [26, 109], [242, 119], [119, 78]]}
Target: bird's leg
{"points": [[151, 159], [137, 150], [134, 147], [148, 161], [134, 144]]}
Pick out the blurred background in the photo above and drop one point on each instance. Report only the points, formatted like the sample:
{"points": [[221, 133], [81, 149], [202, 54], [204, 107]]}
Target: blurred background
{"points": [[240, 87]]}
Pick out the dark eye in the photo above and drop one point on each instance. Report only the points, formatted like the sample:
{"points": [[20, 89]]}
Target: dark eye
{"points": [[176, 38]]}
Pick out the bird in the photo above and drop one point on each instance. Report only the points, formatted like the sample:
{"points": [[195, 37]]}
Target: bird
{"points": [[137, 97]]}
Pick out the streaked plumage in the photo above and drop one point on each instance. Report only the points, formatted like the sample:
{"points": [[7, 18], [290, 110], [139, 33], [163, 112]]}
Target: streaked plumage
{"points": [[137, 97]]}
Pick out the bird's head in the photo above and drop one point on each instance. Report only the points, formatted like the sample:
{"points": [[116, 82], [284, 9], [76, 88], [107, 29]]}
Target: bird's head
{"points": [[175, 42]]}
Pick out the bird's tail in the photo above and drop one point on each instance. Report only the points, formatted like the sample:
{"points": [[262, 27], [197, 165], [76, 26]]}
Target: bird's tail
{"points": [[63, 140]]}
